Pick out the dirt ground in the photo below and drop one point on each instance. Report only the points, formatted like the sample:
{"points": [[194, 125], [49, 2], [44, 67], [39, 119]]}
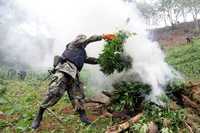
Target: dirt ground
{"points": [[169, 36]]}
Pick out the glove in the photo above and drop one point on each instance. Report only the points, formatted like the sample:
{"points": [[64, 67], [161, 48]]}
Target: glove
{"points": [[108, 37]]}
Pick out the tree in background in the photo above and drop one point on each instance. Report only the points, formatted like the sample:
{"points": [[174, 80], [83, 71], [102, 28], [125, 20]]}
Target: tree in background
{"points": [[194, 9], [170, 11], [162, 10], [148, 11], [183, 7]]}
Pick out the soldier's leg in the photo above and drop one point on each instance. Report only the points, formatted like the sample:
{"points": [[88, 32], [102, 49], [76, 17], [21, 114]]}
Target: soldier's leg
{"points": [[76, 95], [56, 90]]}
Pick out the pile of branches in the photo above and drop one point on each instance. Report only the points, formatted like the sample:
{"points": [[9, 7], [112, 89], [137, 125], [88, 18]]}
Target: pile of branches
{"points": [[113, 57], [128, 96], [180, 112], [128, 100]]}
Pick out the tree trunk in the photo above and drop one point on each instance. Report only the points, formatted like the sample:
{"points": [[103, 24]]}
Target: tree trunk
{"points": [[165, 19], [169, 14], [196, 23], [123, 126], [183, 14], [195, 18]]}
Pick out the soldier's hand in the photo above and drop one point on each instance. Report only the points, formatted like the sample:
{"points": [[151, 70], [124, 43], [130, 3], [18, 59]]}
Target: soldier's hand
{"points": [[108, 37], [52, 71]]}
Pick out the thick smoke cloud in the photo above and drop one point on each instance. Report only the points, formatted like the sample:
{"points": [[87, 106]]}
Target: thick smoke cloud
{"points": [[32, 31], [20, 47]]}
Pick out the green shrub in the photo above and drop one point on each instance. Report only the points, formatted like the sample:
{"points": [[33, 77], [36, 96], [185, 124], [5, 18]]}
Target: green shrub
{"points": [[129, 95], [113, 57], [165, 118]]}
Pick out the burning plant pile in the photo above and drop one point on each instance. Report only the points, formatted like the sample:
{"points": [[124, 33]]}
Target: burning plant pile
{"points": [[129, 102]]}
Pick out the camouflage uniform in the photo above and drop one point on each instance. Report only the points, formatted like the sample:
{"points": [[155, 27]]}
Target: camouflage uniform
{"points": [[66, 77]]}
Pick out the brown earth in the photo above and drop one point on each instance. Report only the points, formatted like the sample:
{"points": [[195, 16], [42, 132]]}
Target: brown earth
{"points": [[2, 117], [169, 36], [67, 110]]}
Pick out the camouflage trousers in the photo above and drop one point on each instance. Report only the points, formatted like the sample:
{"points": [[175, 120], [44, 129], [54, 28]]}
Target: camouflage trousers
{"points": [[61, 83]]}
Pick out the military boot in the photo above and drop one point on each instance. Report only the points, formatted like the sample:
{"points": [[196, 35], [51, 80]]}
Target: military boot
{"points": [[38, 118], [83, 117]]}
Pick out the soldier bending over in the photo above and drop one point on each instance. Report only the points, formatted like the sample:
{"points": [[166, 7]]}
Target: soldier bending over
{"points": [[66, 77]]}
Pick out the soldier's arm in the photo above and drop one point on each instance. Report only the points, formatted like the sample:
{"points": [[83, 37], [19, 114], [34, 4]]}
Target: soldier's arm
{"points": [[91, 60], [94, 38]]}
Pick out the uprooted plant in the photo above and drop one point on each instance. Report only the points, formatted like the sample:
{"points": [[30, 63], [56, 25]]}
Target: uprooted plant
{"points": [[113, 57]]}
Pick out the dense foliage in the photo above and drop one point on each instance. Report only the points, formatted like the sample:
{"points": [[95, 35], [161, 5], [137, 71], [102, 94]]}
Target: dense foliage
{"points": [[113, 57], [129, 95]]}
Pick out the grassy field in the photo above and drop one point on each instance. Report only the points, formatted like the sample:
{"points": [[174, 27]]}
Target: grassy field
{"points": [[186, 59], [19, 100]]}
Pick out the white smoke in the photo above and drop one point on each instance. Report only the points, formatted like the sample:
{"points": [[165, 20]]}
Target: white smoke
{"points": [[149, 64], [33, 24], [30, 25]]}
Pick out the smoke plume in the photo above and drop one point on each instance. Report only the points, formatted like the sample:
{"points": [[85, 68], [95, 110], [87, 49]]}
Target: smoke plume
{"points": [[33, 31]]}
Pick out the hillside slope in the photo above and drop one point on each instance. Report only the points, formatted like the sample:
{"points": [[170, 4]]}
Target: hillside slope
{"points": [[186, 59], [170, 37], [19, 101]]}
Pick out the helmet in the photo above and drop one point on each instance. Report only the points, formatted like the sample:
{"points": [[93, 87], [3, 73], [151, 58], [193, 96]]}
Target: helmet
{"points": [[80, 38]]}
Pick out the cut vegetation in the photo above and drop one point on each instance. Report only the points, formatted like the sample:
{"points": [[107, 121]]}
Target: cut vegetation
{"points": [[128, 110]]}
